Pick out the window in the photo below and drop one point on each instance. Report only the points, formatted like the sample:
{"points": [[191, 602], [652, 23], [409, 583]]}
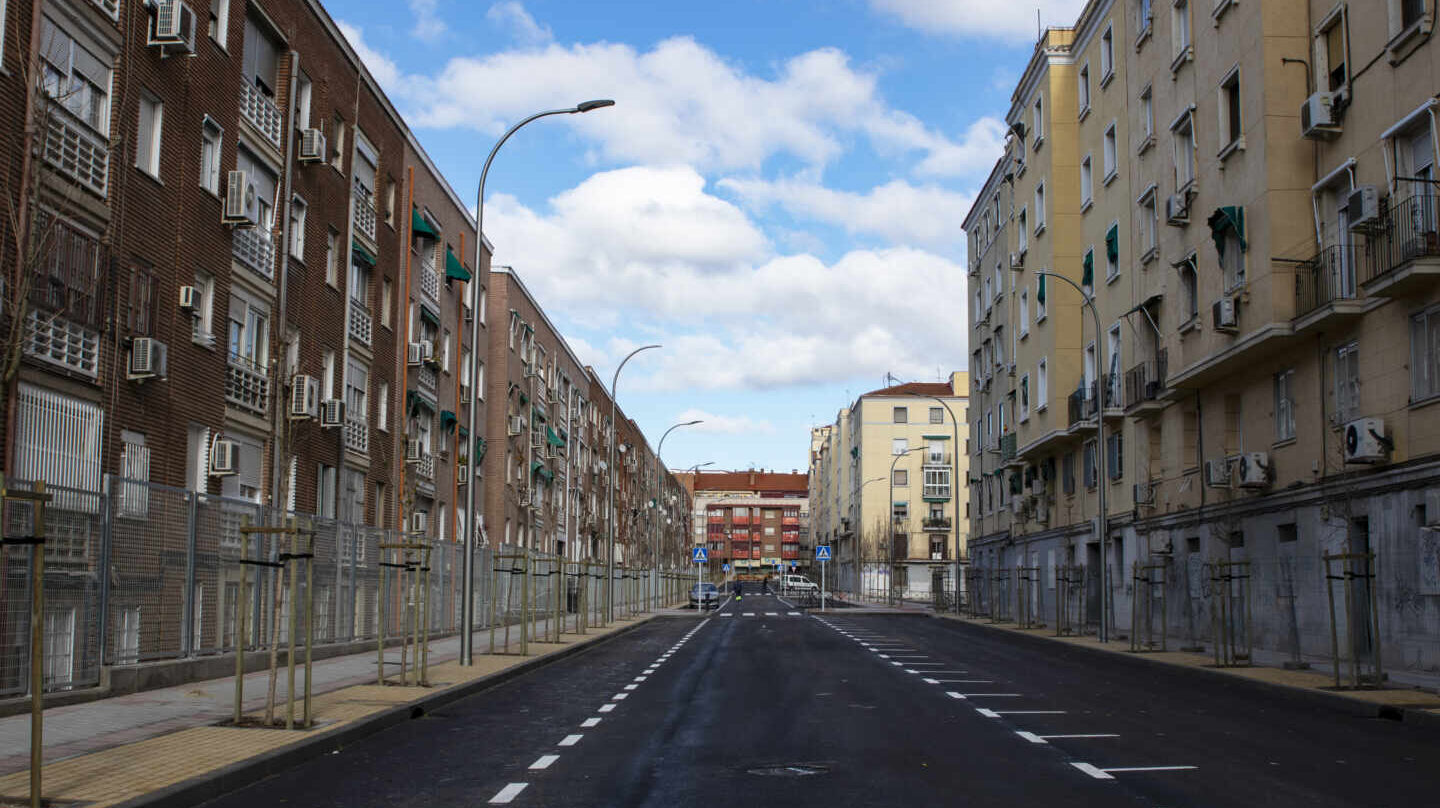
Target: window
{"points": [[203, 315], [1087, 271], [1024, 232], [1025, 397], [390, 201], [1024, 312], [1092, 468], [249, 342], [1149, 224], [1180, 31], [1039, 208], [1042, 386], [900, 511], [1183, 149], [1331, 65], [1115, 456], [1082, 100], [337, 143], [210, 143], [1347, 382], [1087, 189], [134, 498], [327, 377], [266, 183], [1067, 473], [298, 209], [1190, 286], [332, 257], [147, 140], [1285, 405], [445, 351], [999, 346], [937, 415], [1039, 298], [220, 21], [1113, 392], [360, 272], [1412, 12], [140, 313], [1110, 165], [1231, 131], [937, 482], [1425, 355], [898, 446], [1112, 252], [901, 478], [382, 407], [999, 281], [1107, 56], [260, 61], [1037, 121], [1144, 15], [484, 300], [303, 93], [1147, 117], [357, 391], [901, 415], [1227, 229], [78, 77]]}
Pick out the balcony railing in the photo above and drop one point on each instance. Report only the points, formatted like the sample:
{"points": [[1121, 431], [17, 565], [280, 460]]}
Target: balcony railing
{"points": [[1008, 443], [1083, 403], [58, 341], [357, 435], [255, 248], [75, 151], [363, 204], [261, 112], [247, 386], [429, 281], [936, 523], [426, 466], [426, 377], [1146, 381], [1327, 277], [1406, 231], [360, 323], [938, 459], [936, 491]]}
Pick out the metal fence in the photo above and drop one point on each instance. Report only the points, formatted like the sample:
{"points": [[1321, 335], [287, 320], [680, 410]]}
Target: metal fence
{"points": [[142, 572]]}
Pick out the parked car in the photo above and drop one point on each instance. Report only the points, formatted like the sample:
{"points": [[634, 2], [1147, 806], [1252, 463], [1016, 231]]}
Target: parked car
{"points": [[704, 596], [799, 583]]}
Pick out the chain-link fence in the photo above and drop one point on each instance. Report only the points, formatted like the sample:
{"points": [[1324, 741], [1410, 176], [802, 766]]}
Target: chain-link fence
{"points": [[142, 572]]}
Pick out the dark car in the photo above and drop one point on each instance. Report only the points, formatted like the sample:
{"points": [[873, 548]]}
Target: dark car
{"points": [[704, 596]]}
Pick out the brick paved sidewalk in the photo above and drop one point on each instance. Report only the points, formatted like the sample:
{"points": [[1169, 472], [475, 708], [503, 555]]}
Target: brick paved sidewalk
{"points": [[112, 750]]}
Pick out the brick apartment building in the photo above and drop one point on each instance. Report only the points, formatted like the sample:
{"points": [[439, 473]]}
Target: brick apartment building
{"points": [[752, 520]]}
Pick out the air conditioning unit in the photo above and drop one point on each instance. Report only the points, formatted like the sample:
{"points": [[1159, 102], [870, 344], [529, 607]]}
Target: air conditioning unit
{"points": [[189, 300], [1042, 510], [1017, 260], [462, 474], [242, 206], [464, 393], [1362, 207], [1365, 441], [1223, 313], [1318, 119], [414, 450], [1217, 473], [147, 359], [224, 458], [173, 27], [419, 522], [304, 397], [332, 412], [1144, 494], [420, 352], [517, 425], [1254, 470], [1177, 209], [312, 146]]}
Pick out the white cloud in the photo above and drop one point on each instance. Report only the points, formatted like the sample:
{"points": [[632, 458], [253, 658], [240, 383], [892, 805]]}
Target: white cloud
{"points": [[512, 16], [428, 25], [724, 424], [897, 211], [1006, 19], [381, 67], [649, 248]]}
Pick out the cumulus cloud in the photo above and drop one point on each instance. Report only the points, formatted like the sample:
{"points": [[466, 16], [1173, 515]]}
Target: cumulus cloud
{"points": [[428, 25], [381, 66], [512, 17], [897, 211], [1014, 22], [724, 424], [651, 248]]}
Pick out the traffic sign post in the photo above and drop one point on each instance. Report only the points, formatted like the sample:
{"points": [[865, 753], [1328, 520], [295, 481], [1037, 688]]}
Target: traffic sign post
{"points": [[700, 556], [822, 557]]}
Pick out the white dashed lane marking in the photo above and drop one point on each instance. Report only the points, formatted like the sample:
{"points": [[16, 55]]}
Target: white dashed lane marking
{"points": [[544, 761], [1033, 738], [590, 722], [508, 793], [570, 740]]}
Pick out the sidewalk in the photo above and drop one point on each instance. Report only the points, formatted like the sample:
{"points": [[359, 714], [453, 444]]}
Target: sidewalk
{"points": [[114, 750]]}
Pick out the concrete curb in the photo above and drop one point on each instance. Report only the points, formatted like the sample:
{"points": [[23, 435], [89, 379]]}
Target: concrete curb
{"points": [[1319, 698], [205, 787]]}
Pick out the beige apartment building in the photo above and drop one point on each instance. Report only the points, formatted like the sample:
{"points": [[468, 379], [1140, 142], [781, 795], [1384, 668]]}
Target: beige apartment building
{"points": [[885, 473], [1247, 190]]}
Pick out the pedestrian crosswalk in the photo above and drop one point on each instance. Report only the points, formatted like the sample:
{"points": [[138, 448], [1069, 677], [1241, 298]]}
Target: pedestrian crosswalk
{"points": [[761, 614]]}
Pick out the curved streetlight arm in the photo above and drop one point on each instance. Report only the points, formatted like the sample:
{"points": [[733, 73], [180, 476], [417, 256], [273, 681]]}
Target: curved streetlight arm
{"points": [[610, 495], [655, 528], [1101, 522]]}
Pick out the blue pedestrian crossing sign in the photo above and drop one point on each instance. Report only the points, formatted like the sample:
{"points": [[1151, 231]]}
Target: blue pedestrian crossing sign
{"points": [[700, 555], [822, 552], [724, 567]]}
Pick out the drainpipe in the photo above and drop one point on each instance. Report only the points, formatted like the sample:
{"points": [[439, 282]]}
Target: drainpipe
{"points": [[279, 463]]}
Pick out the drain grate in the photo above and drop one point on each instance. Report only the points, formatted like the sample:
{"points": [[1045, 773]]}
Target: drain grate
{"points": [[790, 770]]}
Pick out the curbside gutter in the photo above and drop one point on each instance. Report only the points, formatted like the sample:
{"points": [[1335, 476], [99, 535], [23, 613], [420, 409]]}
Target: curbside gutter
{"points": [[224, 780]]}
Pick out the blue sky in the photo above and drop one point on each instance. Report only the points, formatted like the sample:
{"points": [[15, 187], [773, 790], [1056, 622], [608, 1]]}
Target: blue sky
{"points": [[776, 196]]}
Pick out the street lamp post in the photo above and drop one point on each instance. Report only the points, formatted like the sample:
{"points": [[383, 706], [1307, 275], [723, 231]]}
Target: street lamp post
{"points": [[1101, 522], [954, 491], [467, 609], [610, 495], [655, 535], [695, 472], [890, 581], [859, 580]]}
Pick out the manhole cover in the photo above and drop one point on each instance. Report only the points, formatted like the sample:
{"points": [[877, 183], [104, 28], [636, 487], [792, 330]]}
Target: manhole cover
{"points": [[790, 770]]}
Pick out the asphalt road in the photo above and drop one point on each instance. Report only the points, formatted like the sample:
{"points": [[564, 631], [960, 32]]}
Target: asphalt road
{"points": [[760, 705]]}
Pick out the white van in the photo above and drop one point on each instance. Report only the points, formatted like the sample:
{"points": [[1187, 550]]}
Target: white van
{"points": [[799, 583]]}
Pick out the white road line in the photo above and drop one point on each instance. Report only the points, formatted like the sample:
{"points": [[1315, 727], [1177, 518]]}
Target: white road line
{"points": [[883, 656], [544, 761], [605, 708], [748, 614], [793, 614], [897, 664], [590, 722], [1098, 774], [1032, 737], [508, 793], [641, 678], [726, 614], [649, 671], [631, 686], [772, 614], [570, 740], [1150, 768], [620, 697], [1029, 712], [987, 713], [1082, 735], [962, 681]]}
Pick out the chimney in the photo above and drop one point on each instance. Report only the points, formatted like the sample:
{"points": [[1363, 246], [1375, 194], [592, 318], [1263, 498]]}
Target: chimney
{"points": [[752, 476]]}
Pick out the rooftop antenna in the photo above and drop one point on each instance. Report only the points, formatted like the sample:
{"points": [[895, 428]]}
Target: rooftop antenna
{"points": [[1038, 32]]}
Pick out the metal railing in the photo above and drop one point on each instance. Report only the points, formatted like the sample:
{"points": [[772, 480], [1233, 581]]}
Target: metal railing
{"points": [[56, 340], [255, 248], [246, 386], [426, 377], [429, 280], [1327, 277], [1083, 403], [360, 323], [261, 112], [357, 434], [936, 523], [1406, 231], [1008, 445], [1146, 381], [363, 205], [75, 151]]}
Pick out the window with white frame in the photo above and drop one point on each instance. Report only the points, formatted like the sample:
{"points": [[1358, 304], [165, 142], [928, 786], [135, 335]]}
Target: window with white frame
{"points": [[1285, 405], [1231, 129], [1425, 354], [298, 211], [382, 407], [1180, 29], [1149, 225], [1082, 99], [202, 321], [1107, 55], [898, 446], [1182, 133], [332, 257], [1087, 183], [1092, 471], [249, 335], [999, 281], [77, 76], [1037, 120], [1025, 397], [1147, 117], [1039, 297], [1331, 52], [1347, 382], [1042, 385], [1110, 165], [219, 21], [387, 301], [210, 145], [357, 391], [1039, 208], [147, 138], [1024, 312], [1189, 285], [1023, 234]]}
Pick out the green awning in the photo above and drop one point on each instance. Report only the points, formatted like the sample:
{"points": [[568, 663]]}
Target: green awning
{"points": [[1112, 243], [479, 449], [539, 413], [524, 399], [1040, 292], [1230, 217], [936, 437], [900, 503], [1087, 278], [453, 267], [536, 466], [427, 314], [546, 475], [855, 451], [553, 439], [420, 227], [363, 254], [415, 400], [448, 420]]}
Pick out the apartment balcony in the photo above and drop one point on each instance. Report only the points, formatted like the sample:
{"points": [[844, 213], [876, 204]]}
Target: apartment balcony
{"points": [[58, 341], [1325, 291], [254, 247], [363, 209], [427, 378], [247, 386], [426, 467], [1083, 404], [429, 281], [939, 459], [789, 553], [357, 435], [1008, 444], [360, 323], [1144, 385], [939, 492], [936, 523], [1404, 249], [72, 149], [261, 113]]}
